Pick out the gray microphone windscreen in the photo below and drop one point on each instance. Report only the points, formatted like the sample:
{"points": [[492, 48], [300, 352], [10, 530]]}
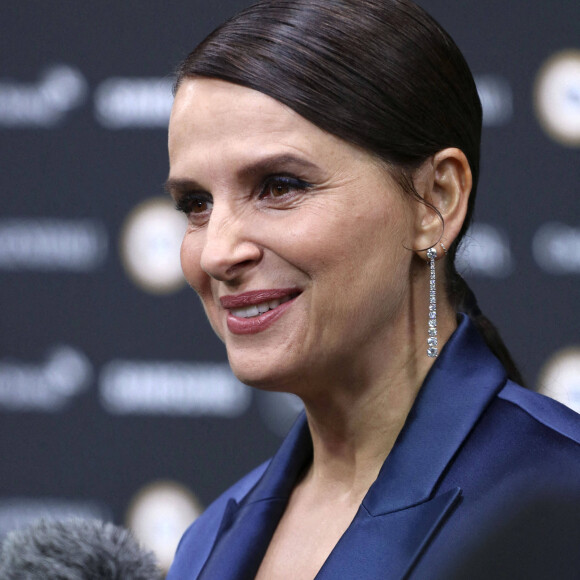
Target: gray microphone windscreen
{"points": [[75, 549]]}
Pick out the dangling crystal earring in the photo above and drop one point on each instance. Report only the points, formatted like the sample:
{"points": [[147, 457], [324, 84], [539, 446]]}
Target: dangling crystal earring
{"points": [[432, 350]]}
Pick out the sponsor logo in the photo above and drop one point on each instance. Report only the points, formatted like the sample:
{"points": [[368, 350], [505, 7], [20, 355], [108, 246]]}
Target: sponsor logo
{"points": [[172, 388], [150, 243], [49, 386], [560, 377], [557, 97], [60, 89], [159, 514], [485, 251], [556, 248], [52, 244], [121, 103]]}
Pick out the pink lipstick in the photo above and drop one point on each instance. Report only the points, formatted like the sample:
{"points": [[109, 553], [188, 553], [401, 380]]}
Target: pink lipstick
{"points": [[252, 312]]}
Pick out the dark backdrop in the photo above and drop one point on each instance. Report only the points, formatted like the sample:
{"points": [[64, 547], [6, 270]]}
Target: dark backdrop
{"points": [[114, 397]]}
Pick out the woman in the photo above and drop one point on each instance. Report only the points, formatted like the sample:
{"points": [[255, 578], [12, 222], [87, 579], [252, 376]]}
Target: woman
{"points": [[326, 154]]}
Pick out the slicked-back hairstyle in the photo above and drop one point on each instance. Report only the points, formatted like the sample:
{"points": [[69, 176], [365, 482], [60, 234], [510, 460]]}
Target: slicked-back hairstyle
{"points": [[381, 74]]}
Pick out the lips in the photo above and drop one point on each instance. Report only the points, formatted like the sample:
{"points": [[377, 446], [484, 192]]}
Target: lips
{"points": [[252, 312]]}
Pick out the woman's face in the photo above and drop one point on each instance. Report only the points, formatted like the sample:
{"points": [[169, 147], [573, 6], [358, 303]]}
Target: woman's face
{"points": [[296, 242]]}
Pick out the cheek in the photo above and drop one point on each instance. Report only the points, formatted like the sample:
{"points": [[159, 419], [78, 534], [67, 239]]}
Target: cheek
{"points": [[191, 265], [199, 280]]}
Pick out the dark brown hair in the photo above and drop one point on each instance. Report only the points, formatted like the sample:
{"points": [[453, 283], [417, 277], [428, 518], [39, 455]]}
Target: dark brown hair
{"points": [[381, 74]]}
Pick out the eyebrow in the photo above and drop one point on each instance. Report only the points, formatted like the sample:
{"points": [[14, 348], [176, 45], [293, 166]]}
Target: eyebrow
{"points": [[175, 186], [278, 162], [273, 163]]}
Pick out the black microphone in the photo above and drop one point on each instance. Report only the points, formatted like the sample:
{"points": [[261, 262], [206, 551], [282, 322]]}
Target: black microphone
{"points": [[75, 549]]}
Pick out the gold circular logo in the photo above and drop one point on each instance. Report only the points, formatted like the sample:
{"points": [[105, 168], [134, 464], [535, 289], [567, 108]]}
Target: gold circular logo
{"points": [[150, 244], [159, 514], [557, 97]]}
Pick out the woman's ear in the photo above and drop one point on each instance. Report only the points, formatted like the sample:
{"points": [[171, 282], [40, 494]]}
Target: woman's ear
{"points": [[444, 182]]}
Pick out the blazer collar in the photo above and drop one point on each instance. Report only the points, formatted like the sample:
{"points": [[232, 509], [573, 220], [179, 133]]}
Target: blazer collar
{"points": [[247, 527]]}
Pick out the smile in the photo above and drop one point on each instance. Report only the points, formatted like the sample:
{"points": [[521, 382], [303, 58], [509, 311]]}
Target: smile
{"points": [[257, 309]]}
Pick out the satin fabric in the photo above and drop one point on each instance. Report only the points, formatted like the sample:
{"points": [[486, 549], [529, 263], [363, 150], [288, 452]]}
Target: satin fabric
{"points": [[475, 451]]}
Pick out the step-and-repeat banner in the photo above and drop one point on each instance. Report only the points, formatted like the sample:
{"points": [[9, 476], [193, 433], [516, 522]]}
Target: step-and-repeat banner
{"points": [[115, 397]]}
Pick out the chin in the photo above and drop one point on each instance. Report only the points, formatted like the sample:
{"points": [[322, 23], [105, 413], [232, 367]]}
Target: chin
{"points": [[261, 376]]}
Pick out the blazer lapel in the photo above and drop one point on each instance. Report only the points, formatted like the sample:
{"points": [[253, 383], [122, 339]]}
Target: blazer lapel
{"points": [[389, 545], [247, 528]]}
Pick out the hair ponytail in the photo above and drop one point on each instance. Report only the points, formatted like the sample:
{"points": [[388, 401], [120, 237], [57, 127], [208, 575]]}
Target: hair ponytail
{"points": [[464, 300]]}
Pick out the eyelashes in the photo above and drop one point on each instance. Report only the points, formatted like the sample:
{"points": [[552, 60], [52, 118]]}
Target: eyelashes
{"points": [[281, 185], [193, 203], [277, 189]]}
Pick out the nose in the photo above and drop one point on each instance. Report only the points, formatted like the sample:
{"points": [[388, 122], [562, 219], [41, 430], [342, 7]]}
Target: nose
{"points": [[228, 250]]}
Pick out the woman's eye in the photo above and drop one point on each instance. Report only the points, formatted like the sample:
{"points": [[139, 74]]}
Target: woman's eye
{"points": [[275, 187], [194, 204], [278, 189]]}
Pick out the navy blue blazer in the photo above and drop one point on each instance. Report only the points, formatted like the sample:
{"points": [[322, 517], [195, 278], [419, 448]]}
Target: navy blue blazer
{"points": [[476, 451]]}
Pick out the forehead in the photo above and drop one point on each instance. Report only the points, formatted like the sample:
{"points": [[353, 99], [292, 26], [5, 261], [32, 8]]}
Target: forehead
{"points": [[216, 125], [219, 109], [207, 111]]}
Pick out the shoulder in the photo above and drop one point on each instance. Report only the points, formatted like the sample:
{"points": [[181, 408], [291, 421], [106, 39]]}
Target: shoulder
{"points": [[530, 436], [546, 413], [522, 440], [197, 542]]}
